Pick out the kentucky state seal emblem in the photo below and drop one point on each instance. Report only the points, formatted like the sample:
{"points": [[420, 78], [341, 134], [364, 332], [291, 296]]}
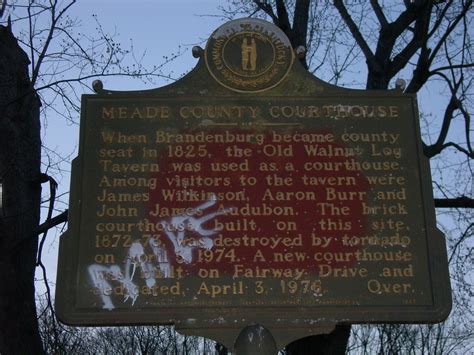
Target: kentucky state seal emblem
{"points": [[248, 55]]}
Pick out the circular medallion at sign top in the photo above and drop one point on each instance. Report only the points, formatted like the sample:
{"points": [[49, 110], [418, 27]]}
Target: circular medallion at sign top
{"points": [[248, 55]]}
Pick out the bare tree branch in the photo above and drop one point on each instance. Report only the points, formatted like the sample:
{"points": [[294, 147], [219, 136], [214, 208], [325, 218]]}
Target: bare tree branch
{"points": [[463, 237], [267, 8], [371, 62], [467, 5], [460, 202], [283, 18], [300, 22], [53, 222], [54, 20], [420, 38], [379, 13]]}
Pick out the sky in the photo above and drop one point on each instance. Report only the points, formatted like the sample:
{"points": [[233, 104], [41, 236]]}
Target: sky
{"points": [[157, 28]]}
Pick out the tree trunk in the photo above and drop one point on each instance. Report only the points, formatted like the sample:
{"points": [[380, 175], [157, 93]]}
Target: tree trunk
{"points": [[334, 343], [20, 156]]}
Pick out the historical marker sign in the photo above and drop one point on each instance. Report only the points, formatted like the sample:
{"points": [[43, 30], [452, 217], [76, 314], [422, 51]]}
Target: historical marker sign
{"points": [[251, 192]]}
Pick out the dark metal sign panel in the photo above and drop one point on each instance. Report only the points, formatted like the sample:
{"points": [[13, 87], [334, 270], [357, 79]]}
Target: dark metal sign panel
{"points": [[301, 206]]}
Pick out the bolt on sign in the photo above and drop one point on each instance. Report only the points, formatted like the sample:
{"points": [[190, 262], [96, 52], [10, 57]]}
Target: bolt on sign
{"points": [[251, 192]]}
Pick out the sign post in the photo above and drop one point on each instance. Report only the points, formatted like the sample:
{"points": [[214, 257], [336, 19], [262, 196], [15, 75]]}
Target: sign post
{"points": [[250, 194]]}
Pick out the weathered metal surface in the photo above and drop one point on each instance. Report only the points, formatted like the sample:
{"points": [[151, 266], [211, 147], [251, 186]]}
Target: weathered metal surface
{"points": [[226, 200]]}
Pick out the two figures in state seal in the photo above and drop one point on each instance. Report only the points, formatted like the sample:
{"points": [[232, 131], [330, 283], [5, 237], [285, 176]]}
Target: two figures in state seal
{"points": [[249, 54]]}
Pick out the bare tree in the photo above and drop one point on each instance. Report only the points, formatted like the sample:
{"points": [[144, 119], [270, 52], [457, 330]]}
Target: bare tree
{"points": [[429, 43], [61, 339], [144, 341], [46, 59]]}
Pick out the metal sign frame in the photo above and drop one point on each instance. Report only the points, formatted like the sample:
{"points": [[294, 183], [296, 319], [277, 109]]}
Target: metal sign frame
{"points": [[427, 300]]}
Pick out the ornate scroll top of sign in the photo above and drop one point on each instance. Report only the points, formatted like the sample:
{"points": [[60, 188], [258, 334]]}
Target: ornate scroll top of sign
{"points": [[249, 55]]}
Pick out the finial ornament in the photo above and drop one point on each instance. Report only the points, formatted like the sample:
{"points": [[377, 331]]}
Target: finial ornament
{"points": [[97, 86]]}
